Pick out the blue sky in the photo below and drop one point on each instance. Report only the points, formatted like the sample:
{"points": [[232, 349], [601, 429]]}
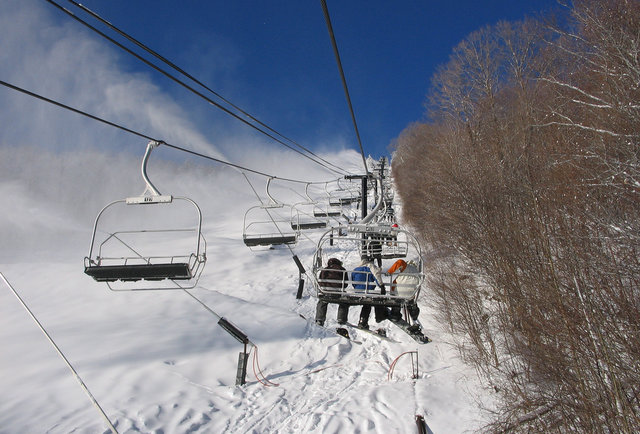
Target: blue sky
{"points": [[274, 59]]}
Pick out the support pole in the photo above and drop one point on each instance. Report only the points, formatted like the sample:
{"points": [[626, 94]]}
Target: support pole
{"points": [[363, 211], [240, 336], [301, 271], [300, 288], [241, 374]]}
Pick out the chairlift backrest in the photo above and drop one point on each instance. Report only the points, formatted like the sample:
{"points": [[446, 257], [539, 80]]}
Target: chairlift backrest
{"points": [[365, 286]]}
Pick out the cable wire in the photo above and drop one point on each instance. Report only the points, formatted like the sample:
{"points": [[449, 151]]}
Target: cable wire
{"points": [[145, 136], [61, 354], [186, 86], [327, 19], [194, 79]]}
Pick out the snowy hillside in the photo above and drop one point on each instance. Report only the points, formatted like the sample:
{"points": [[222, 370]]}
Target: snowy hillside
{"points": [[156, 361]]}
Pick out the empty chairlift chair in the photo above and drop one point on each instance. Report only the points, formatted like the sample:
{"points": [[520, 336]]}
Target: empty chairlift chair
{"points": [[302, 215], [269, 225], [344, 195], [152, 241], [383, 239], [325, 209]]}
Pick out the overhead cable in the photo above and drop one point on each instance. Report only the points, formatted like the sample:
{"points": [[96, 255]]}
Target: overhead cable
{"points": [[186, 86], [194, 79], [327, 19], [61, 354], [145, 136]]}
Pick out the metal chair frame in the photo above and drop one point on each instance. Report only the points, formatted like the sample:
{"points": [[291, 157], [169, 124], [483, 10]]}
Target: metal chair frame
{"points": [[182, 270]]}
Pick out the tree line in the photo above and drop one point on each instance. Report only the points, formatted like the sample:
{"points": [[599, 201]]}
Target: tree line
{"points": [[523, 183]]}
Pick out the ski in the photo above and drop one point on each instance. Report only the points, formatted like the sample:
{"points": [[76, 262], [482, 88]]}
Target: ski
{"points": [[340, 331], [344, 333], [413, 331], [376, 333]]}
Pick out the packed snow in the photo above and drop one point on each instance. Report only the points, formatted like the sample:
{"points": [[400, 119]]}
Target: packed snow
{"points": [[157, 361]]}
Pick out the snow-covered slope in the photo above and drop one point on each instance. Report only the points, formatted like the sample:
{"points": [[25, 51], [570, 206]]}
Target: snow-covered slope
{"points": [[156, 361]]}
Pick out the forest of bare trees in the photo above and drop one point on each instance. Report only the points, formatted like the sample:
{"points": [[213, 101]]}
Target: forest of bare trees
{"points": [[524, 185]]}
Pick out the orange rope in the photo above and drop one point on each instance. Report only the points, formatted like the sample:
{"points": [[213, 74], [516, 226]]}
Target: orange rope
{"points": [[256, 364], [393, 364]]}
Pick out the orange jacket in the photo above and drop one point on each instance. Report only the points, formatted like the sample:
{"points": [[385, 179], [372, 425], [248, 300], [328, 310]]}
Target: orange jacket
{"points": [[397, 267], [399, 264]]}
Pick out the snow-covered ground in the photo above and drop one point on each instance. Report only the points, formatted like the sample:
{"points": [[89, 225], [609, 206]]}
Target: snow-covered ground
{"points": [[156, 361]]}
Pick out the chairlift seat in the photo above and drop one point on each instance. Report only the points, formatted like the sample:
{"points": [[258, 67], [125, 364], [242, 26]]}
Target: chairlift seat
{"points": [[394, 254], [133, 273], [308, 225], [343, 201], [326, 213], [353, 299], [269, 240]]}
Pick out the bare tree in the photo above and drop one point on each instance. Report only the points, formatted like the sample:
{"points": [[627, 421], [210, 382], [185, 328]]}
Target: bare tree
{"points": [[526, 176]]}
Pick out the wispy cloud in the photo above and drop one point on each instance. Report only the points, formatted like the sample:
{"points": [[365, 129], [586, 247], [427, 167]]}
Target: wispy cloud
{"points": [[43, 53], [57, 169]]}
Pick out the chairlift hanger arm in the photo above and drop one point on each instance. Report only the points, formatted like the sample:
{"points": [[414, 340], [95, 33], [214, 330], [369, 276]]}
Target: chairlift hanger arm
{"points": [[375, 210], [306, 193], [150, 187], [273, 201], [150, 194]]}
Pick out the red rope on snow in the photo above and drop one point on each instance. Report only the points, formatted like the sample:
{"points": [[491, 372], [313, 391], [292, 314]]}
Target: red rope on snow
{"points": [[393, 364], [255, 364]]}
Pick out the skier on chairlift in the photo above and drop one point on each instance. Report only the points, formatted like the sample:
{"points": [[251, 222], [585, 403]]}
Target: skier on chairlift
{"points": [[404, 285], [370, 276], [333, 277]]}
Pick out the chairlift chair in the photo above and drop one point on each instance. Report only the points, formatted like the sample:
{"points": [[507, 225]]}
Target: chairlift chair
{"points": [[350, 250], [269, 224], [327, 211], [152, 241], [344, 195], [303, 218], [382, 240], [302, 214]]}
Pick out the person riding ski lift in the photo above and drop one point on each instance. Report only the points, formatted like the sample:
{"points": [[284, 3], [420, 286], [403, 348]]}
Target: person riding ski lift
{"points": [[404, 285], [365, 278], [332, 278]]}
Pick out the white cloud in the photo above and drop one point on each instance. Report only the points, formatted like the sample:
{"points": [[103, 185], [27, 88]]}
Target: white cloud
{"points": [[57, 169], [65, 63]]}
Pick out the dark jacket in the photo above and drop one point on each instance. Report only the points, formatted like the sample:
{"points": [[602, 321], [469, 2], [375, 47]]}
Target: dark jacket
{"points": [[335, 272]]}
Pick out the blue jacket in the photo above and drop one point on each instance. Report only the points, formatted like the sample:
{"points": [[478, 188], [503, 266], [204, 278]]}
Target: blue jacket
{"points": [[363, 274]]}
